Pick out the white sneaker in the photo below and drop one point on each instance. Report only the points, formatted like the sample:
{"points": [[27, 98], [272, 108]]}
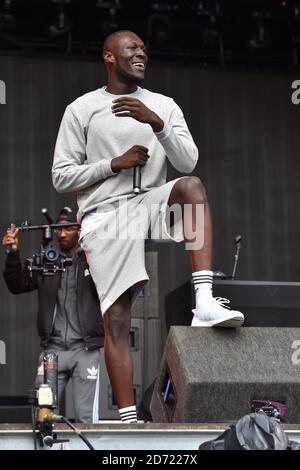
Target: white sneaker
{"points": [[216, 312]]}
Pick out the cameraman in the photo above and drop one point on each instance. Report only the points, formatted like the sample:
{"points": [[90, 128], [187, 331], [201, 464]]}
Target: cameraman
{"points": [[69, 318]]}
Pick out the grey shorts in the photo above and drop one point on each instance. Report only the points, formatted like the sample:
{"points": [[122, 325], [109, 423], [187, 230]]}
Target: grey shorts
{"points": [[115, 250]]}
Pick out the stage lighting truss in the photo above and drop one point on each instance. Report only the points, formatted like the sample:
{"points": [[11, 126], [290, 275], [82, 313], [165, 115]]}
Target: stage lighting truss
{"points": [[221, 32], [63, 23], [7, 18]]}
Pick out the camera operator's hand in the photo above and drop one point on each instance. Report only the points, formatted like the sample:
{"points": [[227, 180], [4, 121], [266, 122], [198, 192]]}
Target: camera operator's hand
{"points": [[11, 239], [135, 156]]}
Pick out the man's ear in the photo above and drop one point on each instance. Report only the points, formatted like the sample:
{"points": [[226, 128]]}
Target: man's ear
{"points": [[108, 57]]}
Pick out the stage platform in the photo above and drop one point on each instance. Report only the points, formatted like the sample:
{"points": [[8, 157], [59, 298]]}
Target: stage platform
{"points": [[117, 436]]}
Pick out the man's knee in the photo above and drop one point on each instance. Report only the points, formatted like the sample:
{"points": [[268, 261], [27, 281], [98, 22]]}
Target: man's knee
{"points": [[117, 321], [191, 187]]}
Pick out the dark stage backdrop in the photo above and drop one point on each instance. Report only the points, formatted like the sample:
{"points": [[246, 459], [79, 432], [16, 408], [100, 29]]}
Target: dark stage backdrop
{"points": [[247, 131]]}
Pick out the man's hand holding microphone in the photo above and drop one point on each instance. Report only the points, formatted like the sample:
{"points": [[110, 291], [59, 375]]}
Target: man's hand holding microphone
{"points": [[137, 156]]}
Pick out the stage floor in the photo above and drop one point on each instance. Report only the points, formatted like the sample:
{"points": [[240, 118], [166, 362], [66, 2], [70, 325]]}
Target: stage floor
{"points": [[116, 436]]}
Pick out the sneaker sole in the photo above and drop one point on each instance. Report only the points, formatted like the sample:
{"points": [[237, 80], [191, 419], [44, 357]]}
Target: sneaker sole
{"points": [[229, 322]]}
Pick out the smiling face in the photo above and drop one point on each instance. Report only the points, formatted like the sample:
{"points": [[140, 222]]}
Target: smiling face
{"points": [[125, 57]]}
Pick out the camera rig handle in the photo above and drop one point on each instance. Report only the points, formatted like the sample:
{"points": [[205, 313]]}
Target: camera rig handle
{"points": [[48, 261]]}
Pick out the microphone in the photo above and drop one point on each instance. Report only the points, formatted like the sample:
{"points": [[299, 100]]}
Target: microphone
{"points": [[237, 242], [137, 177]]}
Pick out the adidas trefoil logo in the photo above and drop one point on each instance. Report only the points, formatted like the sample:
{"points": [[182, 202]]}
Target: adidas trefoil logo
{"points": [[92, 373], [86, 272]]}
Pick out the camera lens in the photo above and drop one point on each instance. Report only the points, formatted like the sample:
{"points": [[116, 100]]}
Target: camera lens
{"points": [[51, 254]]}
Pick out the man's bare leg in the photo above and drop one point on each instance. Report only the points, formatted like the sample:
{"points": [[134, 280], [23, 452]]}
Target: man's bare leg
{"points": [[118, 358], [209, 311], [190, 190]]}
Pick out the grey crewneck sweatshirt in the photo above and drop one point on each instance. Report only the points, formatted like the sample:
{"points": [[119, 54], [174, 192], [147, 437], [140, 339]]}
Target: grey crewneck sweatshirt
{"points": [[90, 136]]}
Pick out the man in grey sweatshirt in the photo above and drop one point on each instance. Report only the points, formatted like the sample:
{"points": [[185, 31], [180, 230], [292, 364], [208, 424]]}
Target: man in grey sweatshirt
{"points": [[103, 136]]}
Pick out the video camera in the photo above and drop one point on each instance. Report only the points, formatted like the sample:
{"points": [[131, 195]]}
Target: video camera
{"points": [[49, 260]]}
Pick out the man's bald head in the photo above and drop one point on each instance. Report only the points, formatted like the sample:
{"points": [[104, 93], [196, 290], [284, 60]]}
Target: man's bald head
{"points": [[125, 57], [113, 38]]}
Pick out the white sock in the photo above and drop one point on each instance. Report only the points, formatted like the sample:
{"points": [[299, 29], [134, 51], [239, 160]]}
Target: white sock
{"points": [[203, 286], [128, 414]]}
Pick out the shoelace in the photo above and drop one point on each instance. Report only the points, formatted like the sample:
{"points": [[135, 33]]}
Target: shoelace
{"points": [[222, 301]]}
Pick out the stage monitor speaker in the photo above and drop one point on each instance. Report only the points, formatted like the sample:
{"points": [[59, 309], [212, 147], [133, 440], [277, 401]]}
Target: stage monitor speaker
{"points": [[213, 374]]}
